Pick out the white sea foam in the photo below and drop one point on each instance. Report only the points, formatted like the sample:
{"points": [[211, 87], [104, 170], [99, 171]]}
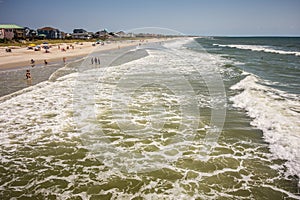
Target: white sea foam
{"points": [[167, 69], [177, 44], [45, 103], [267, 49], [277, 114], [46, 113]]}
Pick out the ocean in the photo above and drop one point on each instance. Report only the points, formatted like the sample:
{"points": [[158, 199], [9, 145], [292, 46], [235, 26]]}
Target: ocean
{"points": [[191, 118]]}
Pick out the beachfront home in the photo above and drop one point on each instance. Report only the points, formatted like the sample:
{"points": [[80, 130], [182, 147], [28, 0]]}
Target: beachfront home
{"points": [[81, 34], [79, 30], [50, 33], [122, 34], [11, 31], [102, 34], [30, 33]]}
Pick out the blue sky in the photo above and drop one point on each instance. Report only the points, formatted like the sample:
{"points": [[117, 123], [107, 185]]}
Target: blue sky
{"points": [[200, 17]]}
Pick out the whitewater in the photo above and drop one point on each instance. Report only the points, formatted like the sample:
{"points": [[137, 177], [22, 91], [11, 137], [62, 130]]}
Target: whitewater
{"points": [[161, 121]]}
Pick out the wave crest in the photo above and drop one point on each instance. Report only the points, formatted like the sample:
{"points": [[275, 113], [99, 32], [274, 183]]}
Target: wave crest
{"points": [[266, 49], [277, 114]]}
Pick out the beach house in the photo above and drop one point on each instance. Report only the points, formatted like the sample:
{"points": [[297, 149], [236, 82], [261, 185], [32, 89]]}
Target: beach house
{"points": [[50, 33], [11, 31], [30, 33], [81, 34], [102, 33], [122, 34]]}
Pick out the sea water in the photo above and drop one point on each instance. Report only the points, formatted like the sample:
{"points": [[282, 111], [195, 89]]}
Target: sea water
{"points": [[205, 118]]}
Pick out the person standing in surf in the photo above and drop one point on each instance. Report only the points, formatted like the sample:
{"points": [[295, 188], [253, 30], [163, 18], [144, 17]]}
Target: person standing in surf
{"points": [[28, 75], [32, 62]]}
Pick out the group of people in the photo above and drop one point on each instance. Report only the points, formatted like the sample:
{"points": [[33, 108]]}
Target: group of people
{"points": [[28, 75], [95, 60], [32, 62], [67, 48]]}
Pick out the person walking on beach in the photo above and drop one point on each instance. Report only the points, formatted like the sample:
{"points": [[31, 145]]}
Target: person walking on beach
{"points": [[45, 61], [95, 59], [99, 61], [92, 61], [64, 60]]}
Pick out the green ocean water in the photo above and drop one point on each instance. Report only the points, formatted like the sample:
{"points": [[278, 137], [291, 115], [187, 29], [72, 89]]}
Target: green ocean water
{"points": [[193, 119]]}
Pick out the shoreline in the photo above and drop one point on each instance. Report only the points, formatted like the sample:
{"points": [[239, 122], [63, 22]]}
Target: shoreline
{"points": [[24, 64], [20, 58], [13, 73]]}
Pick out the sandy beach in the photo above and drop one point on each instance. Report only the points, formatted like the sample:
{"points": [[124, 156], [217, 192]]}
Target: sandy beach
{"points": [[21, 56], [13, 65]]}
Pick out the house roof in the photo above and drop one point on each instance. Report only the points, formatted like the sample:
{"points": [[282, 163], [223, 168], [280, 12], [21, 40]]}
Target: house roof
{"points": [[79, 30], [10, 26], [47, 29]]}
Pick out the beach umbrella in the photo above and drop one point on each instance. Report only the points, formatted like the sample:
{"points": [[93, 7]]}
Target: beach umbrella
{"points": [[32, 45]]}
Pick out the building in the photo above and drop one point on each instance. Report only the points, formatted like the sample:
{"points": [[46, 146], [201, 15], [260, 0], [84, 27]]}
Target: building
{"points": [[79, 31], [50, 33], [11, 31], [30, 33], [81, 34], [102, 34], [122, 34]]}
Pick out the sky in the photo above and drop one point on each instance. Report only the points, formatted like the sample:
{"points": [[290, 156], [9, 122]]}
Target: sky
{"points": [[190, 17]]}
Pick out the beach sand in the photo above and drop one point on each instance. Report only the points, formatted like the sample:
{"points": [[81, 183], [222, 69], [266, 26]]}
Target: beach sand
{"points": [[20, 57], [13, 65]]}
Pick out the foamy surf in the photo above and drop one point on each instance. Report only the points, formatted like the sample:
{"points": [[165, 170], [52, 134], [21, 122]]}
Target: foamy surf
{"points": [[277, 114], [94, 134], [266, 49]]}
